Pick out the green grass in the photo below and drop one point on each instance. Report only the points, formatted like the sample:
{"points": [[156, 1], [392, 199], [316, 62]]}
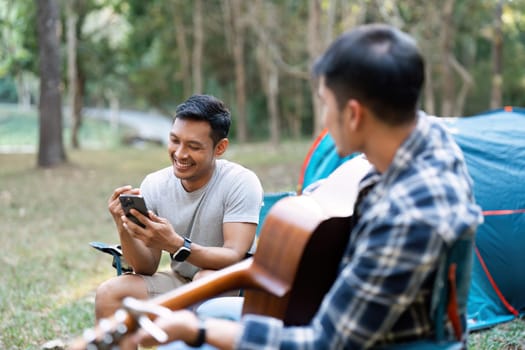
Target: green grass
{"points": [[49, 216], [507, 336]]}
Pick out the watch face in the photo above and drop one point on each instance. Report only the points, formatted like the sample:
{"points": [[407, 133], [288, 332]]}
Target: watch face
{"points": [[182, 254]]}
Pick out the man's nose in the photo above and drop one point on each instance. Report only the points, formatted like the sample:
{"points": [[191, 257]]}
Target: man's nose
{"points": [[181, 152]]}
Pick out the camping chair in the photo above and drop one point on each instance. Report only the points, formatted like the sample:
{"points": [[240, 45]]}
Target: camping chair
{"points": [[116, 252]]}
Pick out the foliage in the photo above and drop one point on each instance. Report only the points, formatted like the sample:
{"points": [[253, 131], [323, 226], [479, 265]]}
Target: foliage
{"points": [[18, 37], [18, 53], [8, 90], [140, 52]]}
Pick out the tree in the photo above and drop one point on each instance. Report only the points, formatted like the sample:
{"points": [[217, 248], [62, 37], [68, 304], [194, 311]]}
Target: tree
{"points": [[497, 53], [51, 148], [234, 29], [74, 84], [182, 50], [198, 42], [314, 50], [17, 48]]}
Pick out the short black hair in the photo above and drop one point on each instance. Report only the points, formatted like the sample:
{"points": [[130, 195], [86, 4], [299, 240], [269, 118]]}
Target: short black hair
{"points": [[210, 109], [378, 65]]}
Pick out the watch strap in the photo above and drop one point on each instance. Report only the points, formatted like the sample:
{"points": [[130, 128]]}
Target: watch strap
{"points": [[184, 250], [201, 336]]}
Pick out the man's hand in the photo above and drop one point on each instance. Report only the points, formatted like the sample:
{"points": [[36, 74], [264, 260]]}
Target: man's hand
{"points": [[181, 325], [158, 233], [114, 207]]}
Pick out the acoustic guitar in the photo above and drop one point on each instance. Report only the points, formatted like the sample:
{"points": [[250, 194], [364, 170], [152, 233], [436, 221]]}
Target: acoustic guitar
{"points": [[296, 262]]}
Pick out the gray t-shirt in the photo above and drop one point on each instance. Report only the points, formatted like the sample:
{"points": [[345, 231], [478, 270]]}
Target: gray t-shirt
{"points": [[233, 194]]}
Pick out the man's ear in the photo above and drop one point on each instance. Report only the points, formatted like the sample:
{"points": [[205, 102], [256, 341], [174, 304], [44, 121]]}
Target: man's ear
{"points": [[354, 114], [221, 147]]}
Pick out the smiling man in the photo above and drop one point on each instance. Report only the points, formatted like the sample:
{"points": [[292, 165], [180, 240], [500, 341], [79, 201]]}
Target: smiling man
{"points": [[203, 211]]}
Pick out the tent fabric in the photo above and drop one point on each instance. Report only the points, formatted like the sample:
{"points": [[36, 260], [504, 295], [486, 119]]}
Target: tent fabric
{"points": [[494, 147], [493, 144], [321, 160]]}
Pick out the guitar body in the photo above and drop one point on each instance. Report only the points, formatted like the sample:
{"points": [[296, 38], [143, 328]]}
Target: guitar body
{"points": [[301, 247]]}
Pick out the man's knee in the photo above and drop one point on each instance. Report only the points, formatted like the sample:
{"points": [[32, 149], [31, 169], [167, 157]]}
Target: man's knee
{"points": [[110, 293], [202, 273]]}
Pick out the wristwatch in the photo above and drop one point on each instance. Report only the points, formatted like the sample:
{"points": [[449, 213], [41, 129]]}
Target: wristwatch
{"points": [[183, 252]]}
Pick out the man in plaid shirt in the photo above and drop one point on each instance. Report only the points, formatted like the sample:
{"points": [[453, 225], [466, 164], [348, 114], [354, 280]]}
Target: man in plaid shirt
{"points": [[417, 200]]}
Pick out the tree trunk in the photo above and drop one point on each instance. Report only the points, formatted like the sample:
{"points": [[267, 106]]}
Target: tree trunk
{"points": [[269, 74], [427, 40], [198, 42], [467, 82], [314, 50], [114, 109], [72, 70], [330, 23], [496, 96], [180, 37], [78, 102], [447, 80], [51, 148], [294, 119], [429, 105], [23, 89], [273, 107], [240, 74]]}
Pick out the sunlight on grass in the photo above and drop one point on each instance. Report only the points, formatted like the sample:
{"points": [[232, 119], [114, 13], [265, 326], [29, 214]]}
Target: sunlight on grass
{"points": [[50, 216]]}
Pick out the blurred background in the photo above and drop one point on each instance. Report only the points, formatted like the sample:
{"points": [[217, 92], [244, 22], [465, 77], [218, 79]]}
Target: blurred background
{"points": [[88, 89], [105, 58]]}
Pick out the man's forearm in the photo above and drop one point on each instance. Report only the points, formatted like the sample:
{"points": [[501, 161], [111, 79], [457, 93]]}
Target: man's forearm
{"points": [[138, 256], [213, 258]]}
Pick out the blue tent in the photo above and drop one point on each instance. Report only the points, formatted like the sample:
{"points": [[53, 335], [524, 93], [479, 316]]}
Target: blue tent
{"points": [[494, 147], [320, 161]]}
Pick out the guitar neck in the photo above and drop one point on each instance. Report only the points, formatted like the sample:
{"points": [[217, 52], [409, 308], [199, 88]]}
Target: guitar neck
{"points": [[245, 274]]}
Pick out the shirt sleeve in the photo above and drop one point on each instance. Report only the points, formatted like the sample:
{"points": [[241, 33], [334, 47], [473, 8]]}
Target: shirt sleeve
{"points": [[261, 333], [244, 200]]}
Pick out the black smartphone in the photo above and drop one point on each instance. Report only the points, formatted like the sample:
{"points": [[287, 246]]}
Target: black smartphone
{"points": [[136, 202]]}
